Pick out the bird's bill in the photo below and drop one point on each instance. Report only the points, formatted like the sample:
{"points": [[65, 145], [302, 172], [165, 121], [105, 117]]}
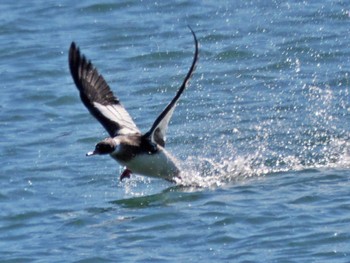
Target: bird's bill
{"points": [[90, 153]]}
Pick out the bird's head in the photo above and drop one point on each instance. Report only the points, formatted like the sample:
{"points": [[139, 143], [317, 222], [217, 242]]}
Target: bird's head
{"points": [[107, 146]]}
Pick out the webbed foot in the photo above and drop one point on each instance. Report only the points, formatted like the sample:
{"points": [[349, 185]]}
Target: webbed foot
{"points": [[125, 174]]}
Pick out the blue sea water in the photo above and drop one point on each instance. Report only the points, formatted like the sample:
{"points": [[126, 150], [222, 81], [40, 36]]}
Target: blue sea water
{"points": [[262, 132]]}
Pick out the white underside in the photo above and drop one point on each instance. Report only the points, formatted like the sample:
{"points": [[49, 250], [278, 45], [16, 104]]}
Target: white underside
{"points": [[160, 164]]}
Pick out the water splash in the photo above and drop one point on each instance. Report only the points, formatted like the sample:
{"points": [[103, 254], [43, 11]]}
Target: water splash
{"points": [[312, 135], [299, 128], [204, 172]]}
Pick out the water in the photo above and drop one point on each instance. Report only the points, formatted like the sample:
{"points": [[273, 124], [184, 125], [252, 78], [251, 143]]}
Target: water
{"points": [[262, 132]]}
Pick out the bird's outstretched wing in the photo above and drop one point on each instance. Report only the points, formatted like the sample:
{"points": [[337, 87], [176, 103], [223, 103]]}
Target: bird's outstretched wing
{"points": [[157, 133], [98, 97]]}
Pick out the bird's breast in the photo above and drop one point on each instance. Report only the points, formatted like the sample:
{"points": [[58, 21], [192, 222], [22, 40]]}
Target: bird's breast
{"points": [[160, 164]]}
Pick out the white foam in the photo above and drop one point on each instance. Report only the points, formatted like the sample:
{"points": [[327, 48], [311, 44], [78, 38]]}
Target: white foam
{"points": [[207, 172]]}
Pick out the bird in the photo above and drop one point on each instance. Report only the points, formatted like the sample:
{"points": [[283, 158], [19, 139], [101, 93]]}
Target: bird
{"points": [[142, 154]]}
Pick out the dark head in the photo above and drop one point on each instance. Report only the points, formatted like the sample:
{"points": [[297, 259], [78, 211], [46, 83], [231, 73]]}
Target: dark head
{"points": [[106, 146]]}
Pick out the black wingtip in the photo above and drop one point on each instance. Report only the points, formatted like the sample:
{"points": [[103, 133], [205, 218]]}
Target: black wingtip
{"points": [[172, 104], [75, 57], [73, 45], [194, 61], [74, 61], [74, 52], [191, 29], [77, 63], [194, 36]]}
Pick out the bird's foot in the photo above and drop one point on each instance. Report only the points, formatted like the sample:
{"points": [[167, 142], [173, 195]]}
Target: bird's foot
{"points": [[125, 174]]}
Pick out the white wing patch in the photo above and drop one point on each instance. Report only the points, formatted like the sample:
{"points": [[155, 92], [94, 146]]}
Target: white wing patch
{"points": [[162, 127], [118, 114]]}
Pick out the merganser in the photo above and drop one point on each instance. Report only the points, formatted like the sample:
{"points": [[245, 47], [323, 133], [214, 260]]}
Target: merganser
{"points": [[142, 154]]}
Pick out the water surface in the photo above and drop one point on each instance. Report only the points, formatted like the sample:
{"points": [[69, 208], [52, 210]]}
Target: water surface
{"points": [[262, 132]]}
